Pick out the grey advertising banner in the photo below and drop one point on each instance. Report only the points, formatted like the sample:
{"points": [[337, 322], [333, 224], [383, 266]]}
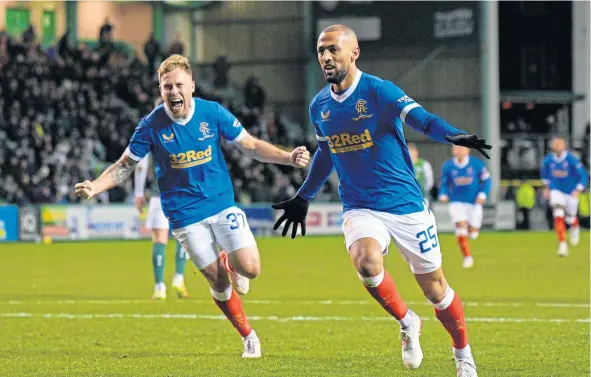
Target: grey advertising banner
{"points": [[29, 228]]}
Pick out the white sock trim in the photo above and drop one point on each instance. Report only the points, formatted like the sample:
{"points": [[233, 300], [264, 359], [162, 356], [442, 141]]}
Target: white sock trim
{"points": [[447, 299], [408, 320], [222, 296], [461, 232], [463, 353], [373, 281], [558, 212], [474, 235], [251, 336]]}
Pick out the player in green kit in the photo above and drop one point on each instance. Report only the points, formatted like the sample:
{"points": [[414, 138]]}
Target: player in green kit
{"points": [[157, 222], [423, 171]]}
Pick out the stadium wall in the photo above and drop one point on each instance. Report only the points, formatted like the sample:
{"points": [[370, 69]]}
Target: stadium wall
{"points": [[262, 39], [581, 66], [132, 22], [36, 9]]}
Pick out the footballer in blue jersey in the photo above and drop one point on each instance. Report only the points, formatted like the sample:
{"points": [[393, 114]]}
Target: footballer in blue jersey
{"points": [[184, 136], [158, 225], [565, 178], [465, 184], [358, 119]]}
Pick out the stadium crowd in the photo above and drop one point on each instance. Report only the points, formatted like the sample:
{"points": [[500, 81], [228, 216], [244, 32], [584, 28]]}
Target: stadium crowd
{"points": [[67, 112]]}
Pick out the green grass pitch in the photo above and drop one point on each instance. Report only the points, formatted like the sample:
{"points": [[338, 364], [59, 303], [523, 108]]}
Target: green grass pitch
{"points": [[84, 309]]}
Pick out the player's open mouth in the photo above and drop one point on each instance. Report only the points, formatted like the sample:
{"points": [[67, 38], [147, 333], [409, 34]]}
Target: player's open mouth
{"points": [[176, 103], [329, 69]]}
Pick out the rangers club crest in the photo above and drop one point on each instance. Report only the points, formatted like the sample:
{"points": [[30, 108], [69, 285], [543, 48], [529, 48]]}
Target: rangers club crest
{"points": [[204, 128]]}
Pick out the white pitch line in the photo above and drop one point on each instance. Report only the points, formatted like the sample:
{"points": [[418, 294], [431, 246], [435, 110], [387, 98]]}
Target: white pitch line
{"points": [[293, 302], [276, 318]]}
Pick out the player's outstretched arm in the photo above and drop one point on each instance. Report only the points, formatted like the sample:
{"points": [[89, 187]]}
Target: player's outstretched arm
{"points": [[410, 112], [265, 152], [111, 177], [438, 129]]}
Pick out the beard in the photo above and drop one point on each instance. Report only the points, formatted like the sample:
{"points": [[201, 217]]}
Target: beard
{"points": [[337, 77]]}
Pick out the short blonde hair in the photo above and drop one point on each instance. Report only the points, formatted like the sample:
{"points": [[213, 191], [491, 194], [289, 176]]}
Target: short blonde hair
{"points": [[173, 62]]}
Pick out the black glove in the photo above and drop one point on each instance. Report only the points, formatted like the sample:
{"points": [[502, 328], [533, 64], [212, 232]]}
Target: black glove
{"points": [[296, 210], [470, 141]]}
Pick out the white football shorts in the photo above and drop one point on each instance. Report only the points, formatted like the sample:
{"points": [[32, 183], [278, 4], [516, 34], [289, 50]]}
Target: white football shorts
{"points": [[566, 201], [228, 229], [472, 213], [415, 235], [156, 218]]}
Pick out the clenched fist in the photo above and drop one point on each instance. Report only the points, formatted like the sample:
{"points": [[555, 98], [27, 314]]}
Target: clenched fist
{"points": [[300, 157], [85, 190]]}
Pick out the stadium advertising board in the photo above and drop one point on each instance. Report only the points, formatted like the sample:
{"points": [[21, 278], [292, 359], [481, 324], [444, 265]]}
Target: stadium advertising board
{"points": [[8, 223], [90, 222], [260, 219], [401, 23], [325, 219], [29, 228], [77, 222]]}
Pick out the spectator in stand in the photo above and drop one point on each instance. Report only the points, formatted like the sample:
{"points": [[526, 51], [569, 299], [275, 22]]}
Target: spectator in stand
{"points": [[106, 33], [254, 94], [152, 51], [221, 71], [177, 46], [29, 35]]}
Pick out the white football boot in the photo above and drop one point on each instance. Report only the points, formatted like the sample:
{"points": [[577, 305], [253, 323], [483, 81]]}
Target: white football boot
{"points": [[412, 354], [562, 249], [240, 284], [468, 262], [465, 365], [178, 285], [252, 346], [159, 292], [574, 233]]}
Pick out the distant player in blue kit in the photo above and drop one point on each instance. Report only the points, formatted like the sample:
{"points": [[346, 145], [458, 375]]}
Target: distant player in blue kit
{"points": [[465, 184], [184, 136], [358, 120], [565, 178]]}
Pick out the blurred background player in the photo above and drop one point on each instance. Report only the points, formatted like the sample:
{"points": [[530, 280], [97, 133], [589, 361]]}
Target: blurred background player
{"points": [[565, 178], [358, 119], [158, 224], [423, 171], [465, 184], [184, 136]]}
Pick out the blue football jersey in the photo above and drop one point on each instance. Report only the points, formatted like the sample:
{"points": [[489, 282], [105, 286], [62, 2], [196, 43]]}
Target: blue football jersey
{"points": [[464, 182], [363, 129], [188, 161], [565, 173]]}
